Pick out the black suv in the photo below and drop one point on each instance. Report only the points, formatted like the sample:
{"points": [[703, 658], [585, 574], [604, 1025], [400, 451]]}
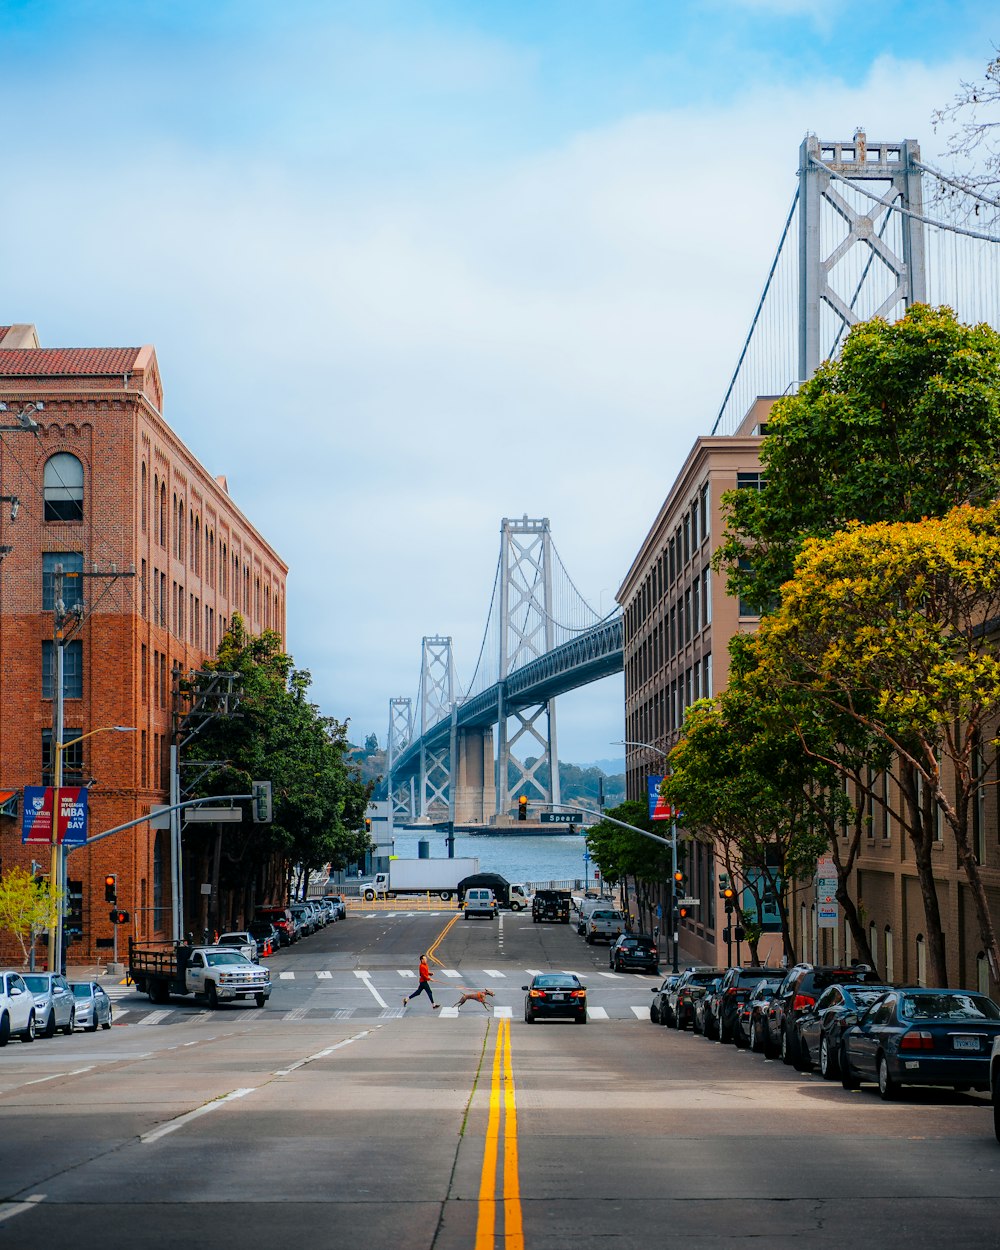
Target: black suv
{"points": [[680, 1004], [634, 950], [797, 993], [550, 905], [733, 992]]}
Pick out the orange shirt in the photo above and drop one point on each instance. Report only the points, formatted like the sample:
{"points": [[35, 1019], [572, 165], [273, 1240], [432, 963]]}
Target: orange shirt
{"points": [[425, 972]]}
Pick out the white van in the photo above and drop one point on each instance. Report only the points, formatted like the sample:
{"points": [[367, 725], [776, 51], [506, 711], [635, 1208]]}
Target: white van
{"points": [[480, 902]]}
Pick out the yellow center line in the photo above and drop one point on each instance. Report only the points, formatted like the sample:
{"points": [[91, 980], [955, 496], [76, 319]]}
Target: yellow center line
{"points": [[439, 939], [501, 1100]]}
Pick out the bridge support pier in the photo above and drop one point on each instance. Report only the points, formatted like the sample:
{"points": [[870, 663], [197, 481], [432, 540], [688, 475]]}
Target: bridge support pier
{"points": [[473, 776]]}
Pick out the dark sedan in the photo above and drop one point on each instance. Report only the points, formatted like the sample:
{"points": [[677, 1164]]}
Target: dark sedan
{"points": [[751, 1023], [821, 1027], [922, 1037], [686, 993], [634, 950], [552, 995], [659, 1008]]}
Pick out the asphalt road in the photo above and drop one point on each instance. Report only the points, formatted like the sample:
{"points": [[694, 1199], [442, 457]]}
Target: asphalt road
{"points": [[327, 1119]]}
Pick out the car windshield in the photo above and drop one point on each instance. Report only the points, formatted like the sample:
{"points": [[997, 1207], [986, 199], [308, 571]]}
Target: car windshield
{"points": [[556, 981], [948, 1007], [232, 939], [702, 978], [606, 915], [81, 991], [865, 996], [39, 984], [216, 958]]}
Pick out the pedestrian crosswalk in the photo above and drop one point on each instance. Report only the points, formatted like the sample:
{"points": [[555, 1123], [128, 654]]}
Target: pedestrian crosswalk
{"points": [[182, 1014], [468, 974]]}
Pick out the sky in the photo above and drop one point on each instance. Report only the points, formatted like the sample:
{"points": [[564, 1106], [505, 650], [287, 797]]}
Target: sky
{"points": [[412, 267]]}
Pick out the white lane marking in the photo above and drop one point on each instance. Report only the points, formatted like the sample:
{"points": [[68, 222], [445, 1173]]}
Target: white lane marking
{"points": [[450, 1012], [449, 972], [297, 1013], [118, 1013], [286, 976], [154, 1017], [503, 1013], [370, 916], [405, 972], [7, 1210], [366, 977], [640, 1013], [156, 1133], [324, 976], [533, 972], [597, 1013], [40, 1080], [612, 976], [494, 972], [320, 1054]]}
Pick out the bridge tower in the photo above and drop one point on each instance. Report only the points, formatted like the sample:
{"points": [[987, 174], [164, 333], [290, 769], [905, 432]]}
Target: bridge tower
{"points": [[526, 632], [861, 240], [402, 797], [437, 700]]}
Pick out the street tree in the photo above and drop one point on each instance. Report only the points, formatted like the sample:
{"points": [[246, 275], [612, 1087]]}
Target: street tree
{"points": [[971, 121], [26, 903], [895, 627], [621, 854]]}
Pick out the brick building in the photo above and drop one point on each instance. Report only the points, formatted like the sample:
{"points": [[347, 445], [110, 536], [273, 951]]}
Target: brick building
{"points": [[159, 558]]}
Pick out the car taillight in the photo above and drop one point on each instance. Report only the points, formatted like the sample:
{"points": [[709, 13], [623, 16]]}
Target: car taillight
{"points": [[536, 993], [731, 992], [652, 950], [916, 1041], [578, 994], [801, 1001]]}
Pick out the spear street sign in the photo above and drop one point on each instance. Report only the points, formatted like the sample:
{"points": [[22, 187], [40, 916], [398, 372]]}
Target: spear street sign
{"points": [[36, 817]]}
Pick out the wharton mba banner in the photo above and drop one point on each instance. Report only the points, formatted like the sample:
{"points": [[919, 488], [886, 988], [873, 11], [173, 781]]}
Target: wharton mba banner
{"points": [[36, 817]]}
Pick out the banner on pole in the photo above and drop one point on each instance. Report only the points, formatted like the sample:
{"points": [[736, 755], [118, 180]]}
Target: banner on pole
{"points": [[36, 816], [659, 808]]}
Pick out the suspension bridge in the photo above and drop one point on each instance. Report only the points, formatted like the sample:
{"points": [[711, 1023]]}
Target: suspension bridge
{"points": [[870, 231]]}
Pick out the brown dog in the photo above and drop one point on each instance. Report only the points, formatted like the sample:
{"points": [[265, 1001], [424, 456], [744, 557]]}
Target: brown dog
{"points": [[476, 996]]}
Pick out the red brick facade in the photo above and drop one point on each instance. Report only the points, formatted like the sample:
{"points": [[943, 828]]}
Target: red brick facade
{"points": [[149, 508]]}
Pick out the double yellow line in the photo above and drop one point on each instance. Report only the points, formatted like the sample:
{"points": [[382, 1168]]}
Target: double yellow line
{"points": [[501, 1126], [440, 938]]}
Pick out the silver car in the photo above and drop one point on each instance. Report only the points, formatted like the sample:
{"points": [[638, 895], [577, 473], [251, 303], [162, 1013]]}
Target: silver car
{"points": [[17, 1009], [241, 941], [55, 1007], [93, 1006]]}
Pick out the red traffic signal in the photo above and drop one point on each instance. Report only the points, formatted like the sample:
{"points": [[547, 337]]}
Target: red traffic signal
{"points": [[118, 916]]}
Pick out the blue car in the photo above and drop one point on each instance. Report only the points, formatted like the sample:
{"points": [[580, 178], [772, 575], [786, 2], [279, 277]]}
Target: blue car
{"points": [[921, 1036]]}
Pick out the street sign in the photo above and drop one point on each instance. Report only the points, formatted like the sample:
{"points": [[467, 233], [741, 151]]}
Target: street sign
{"points": [[827, 915], [687, 901], [213, 815], [560, 818]]}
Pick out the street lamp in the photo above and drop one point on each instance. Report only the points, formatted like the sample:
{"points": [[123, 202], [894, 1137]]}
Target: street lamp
{"points": [[57, 859], [25, 421], [674, 917]]}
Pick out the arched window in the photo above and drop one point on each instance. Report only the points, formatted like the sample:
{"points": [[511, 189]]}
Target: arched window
{"points": [[143, 501], [163, 515], [63, 488]]}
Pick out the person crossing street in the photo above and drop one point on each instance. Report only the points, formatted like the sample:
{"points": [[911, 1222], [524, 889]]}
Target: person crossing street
{"points": [[426, 977]]}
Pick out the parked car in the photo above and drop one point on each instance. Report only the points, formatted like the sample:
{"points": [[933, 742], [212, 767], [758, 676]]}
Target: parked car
{"points": [[733, 993], [684, 994], [54, 1003], [553, 994], [604, 925], [995, 1085], [821, 1027], [283, 921], [706, 1006], [634, 950], [919, 1036], [17, 1009], [751, 1023], [266, 935], [550, 905], [303, 918], [587, 905], [480, 902], [242, 941], [320, 916], [659, 1011], [93, 1006], [339, 905], [801, 986]]}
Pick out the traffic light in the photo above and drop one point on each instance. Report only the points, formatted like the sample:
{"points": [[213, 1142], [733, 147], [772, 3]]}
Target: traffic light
{"points": [[261, 791], [728, 894], [682, 913], [118, 916], [723, 884], [678, 882], [572, 829], [522, 807], [111, 888], [368, 824]]}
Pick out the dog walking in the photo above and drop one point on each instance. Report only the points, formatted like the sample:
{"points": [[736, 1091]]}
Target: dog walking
{"points": [[426, 977], [475, 996]]}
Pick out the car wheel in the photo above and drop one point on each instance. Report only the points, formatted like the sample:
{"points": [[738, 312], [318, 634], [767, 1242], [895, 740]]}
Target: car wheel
{"points": [[260, 999], [768, 1048], [515, 907], [68, 1028], [678, 1022], [654, 1013], [827, 1060], [107, 1023], [666, 1018], [847, 1077], [445, 895], [739, 1041], [887, 1087], [582, 1019], [755, 1045], [4, 1029], [589, 939], [803, 1060], [50, 1025], [528, 1017], [212, 995], [92, 1028], [28, 1032], [789, 1051]]}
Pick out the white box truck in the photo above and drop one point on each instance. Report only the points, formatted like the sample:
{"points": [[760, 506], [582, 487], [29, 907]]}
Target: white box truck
{"points": [[421, 876]]}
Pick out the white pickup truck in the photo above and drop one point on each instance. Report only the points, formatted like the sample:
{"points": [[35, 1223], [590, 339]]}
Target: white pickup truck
{"points": [[216, 974]]}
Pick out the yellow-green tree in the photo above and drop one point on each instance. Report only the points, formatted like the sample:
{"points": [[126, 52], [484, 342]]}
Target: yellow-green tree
{"points": [[26, 903], [895, 627]]}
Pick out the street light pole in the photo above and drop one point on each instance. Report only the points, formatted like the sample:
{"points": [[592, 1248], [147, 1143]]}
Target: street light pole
{"points": [[674, 910], [57, 859]]}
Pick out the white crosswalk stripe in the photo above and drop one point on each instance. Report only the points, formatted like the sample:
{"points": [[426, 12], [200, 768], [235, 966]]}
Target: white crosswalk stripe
{"points": [[597, 1013], [503, 1013], [450, 972], [154, 1017], [324, 976], [612, 976], [640, 1013], [405, 972], [286, 976], [494, 972]]}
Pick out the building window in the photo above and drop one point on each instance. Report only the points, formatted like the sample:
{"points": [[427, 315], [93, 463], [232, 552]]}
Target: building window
{"points": [[703, 504], [72, 758], [163, 515], [63, 488], [144, 673], [750, 481], [706, 597], [143, 501], [707, 671], [144, 759], [921, 960], [72, 670], [72, 587], [890, 963]]}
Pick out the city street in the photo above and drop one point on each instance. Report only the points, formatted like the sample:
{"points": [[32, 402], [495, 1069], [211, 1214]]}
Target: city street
{"points": [[331, 1117]]}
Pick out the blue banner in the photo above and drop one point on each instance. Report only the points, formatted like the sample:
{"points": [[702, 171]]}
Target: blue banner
{"points": [[659, 808]]}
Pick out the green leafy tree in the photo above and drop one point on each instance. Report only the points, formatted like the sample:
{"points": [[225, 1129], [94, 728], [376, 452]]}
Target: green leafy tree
{"points": [[894, 627], [621, 854], [26, 903]]}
